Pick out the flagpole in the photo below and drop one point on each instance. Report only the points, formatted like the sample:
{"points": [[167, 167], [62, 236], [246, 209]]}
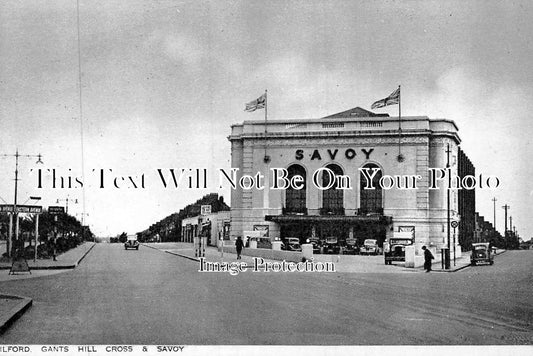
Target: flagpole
{"points": [[399, 120], [266, 160], [266, 105], [266, 111]]}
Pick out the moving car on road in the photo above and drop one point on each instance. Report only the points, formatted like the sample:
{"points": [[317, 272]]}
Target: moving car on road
{"points": [[131, 242], [481, 253]]}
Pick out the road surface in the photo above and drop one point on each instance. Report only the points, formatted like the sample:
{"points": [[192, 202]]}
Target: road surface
{"points": [[151, 297]]}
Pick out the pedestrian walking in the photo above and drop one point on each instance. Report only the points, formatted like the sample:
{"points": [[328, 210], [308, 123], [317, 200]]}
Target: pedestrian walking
{"points": [[239, 246], [428, 256]]}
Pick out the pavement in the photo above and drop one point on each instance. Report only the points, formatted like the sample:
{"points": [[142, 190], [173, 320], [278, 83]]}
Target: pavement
{"points": [[186, 250], [13, 306], [459, 264], [67, 260]]}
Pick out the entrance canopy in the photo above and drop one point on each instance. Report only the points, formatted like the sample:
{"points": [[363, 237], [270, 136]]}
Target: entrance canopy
{"points": [[329, 219]]}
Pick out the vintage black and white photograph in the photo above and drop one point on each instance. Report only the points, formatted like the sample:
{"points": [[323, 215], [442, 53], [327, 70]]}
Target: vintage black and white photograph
{"points": [[244, 176]]}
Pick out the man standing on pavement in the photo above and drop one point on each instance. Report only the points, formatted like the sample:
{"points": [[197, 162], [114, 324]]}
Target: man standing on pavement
{"points": [[428, 256], [238, 246]]}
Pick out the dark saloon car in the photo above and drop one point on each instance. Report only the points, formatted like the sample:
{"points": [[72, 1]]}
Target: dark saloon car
{"points": [[131, 242], [481, 253], [396, 251], [350, 248], [331, 245]]}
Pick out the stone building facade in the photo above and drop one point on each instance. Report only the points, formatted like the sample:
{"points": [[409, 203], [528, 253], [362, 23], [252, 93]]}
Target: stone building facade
{"points": [[342, 145]]}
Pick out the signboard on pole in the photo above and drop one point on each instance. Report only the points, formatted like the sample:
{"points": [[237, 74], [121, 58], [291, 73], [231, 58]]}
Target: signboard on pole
{"points": [[454, 224], [31, 209], [54, 210], [205, 209]]}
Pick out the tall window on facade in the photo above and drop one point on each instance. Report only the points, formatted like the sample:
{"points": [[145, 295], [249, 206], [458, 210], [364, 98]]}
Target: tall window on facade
{"points": [[332, 198], [371, 199], [295, 198]]}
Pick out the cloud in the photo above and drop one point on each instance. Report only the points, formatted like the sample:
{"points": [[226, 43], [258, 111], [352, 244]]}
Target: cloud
{"points": [[494, 126], [462, 93], [302, 89], [183, 49]]}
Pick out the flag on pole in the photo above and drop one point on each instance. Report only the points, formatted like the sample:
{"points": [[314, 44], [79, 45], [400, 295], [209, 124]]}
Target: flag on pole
{"points": [[256, 104], [392, 99]]}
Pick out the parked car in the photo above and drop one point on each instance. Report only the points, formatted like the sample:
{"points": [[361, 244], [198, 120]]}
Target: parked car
{"points": [[396, 253], [264, 242], [396, 249], [481, 253], [370, 247], [131, 242], [317, 244], [291, 244], [331, 245], [350, 248]]}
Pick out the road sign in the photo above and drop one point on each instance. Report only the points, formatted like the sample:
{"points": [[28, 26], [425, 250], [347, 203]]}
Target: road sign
{"points": [[205, 209], [54, 210], [454, 224], [32, 209]]}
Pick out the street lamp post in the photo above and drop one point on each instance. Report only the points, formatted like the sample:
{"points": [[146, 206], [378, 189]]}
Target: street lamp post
{"points": [[447, 258]]}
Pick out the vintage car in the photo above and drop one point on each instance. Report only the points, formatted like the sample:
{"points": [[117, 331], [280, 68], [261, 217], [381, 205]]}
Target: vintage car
{"points": [[481, 253], [350, 247], [131, 242], [331, 245], [317, 245], [396, 253], [370, 247], [395, 250], [263, 242], [291, 244]]}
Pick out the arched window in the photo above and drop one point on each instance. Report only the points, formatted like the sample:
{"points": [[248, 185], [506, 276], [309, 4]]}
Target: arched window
{"points": [[371, 199], [295, 202], [332, 198]]}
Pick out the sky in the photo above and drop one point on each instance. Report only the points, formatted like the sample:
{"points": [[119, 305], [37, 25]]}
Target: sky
{"points": [[163, 81]]}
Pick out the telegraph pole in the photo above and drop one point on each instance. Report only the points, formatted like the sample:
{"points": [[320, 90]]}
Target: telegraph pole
{"points": [[506, 207], [506, 235]]}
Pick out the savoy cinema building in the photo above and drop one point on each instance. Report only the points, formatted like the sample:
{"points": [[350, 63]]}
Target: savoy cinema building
{"points": [[343, 143]]}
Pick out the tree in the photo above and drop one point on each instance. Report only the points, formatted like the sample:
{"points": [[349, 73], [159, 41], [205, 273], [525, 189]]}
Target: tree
{"points": [[123, 237]]}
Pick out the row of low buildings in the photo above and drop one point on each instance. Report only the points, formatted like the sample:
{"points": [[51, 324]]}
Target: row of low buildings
{"points": [[345, 145], [191, 221]]}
